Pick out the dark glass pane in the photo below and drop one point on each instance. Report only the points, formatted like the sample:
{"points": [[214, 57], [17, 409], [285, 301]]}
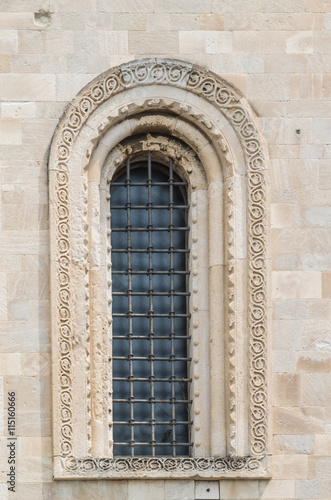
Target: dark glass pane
{"points": [[161, 239], [120, 326], [119, 262], [120, 347], [180, 283], [120, 304], [161, 304], [120, 369], [122, 389], [139, 218], [141, 390], [162, 326], [162, 349], [139, 261], [161, 261], [140, 326], [156, 380]]}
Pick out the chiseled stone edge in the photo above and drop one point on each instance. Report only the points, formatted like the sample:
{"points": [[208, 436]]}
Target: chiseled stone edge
{"points": [[160, 467], [230, 103]]}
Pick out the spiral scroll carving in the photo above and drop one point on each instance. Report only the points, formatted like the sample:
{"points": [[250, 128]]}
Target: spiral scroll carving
{"points": [[217, 92], [163, 465], [64, 319], [229, 102]]}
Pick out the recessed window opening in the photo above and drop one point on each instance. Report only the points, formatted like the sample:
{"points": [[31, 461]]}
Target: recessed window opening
{"points": [[151, 363]]}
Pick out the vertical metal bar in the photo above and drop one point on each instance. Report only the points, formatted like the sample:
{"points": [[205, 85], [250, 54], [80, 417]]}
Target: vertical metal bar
{"points": [[150, 294], [133, 356], [172, 307], [130, 332]]}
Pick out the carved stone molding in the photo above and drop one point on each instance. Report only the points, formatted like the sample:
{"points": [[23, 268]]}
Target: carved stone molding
{"points": [[233, 107], [189, 168], [143, 467]]}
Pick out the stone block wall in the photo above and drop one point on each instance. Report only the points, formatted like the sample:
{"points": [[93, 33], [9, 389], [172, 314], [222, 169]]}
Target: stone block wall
{"points": [[277, 53]]}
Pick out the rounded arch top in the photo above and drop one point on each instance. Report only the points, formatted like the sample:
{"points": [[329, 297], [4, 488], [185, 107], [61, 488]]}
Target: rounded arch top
{"points": [[192, 79]]}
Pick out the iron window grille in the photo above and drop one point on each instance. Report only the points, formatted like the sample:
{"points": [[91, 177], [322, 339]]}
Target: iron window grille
{"points": [[151, 362]]}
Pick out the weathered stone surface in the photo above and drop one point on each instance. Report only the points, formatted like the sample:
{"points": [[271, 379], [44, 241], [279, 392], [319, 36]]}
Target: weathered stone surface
{"points": [[281, 215], [8, 42], [283, 361], [36, 446], [286, 333], [316, 335], [4, 64], [294, 444], [287, 390], [36, 87], [10, 364], [129, 22], [10, 131], [3, 297], [231, 490], [18, 110], [323, 445], [162, 42], [314, 362], [308, 489], [139, 490], [300, 43], [290, 466], [35, 364], [326, 285], [211, 22], [277, 489], [277, 53], [296, 284], [297, 421], [87, 490], [316, 389], [205, 490]]}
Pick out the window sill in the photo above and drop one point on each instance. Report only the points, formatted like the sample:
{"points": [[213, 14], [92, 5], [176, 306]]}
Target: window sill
{"points": [[162, 468]]}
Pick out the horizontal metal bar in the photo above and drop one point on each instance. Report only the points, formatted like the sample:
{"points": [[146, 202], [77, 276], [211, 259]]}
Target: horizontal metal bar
{"points": [[154, 444], [151, 294], [148, 315], [146, 207], [129, 183], [145, 250], [155, 401], [152, 336], [148, 272], [149, 229], [156, 422], [150, 358], [150, 379]]}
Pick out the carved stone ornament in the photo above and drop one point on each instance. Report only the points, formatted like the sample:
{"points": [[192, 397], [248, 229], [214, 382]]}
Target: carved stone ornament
{"points": [[169, 97]]}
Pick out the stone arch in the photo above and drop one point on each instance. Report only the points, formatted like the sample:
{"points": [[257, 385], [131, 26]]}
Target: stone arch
{"points": [[160, 96]]}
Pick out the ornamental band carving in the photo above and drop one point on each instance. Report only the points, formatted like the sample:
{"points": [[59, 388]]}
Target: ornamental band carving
{"points": [[231, 104], [168, 465]]}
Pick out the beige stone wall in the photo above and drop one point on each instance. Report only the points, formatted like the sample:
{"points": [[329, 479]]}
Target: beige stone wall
{"points": [[278, 54]]}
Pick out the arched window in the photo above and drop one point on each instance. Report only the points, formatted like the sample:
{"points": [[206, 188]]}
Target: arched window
{"points": [[158, 220], [150, 338]]}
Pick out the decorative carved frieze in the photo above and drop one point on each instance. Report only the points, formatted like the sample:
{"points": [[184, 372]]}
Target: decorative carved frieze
{"points": [[235, 109], [196, 467]]}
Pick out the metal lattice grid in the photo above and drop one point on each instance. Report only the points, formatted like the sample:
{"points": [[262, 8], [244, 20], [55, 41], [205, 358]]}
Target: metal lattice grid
{"points": [[151, 404]]}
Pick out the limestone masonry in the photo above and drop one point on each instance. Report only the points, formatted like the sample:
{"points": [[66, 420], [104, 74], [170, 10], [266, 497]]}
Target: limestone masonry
{"points": [[238, 94]]}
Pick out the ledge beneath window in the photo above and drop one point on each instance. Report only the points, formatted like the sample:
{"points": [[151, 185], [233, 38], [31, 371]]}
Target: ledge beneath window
{"points": [[231, 350], [162, 468]]}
